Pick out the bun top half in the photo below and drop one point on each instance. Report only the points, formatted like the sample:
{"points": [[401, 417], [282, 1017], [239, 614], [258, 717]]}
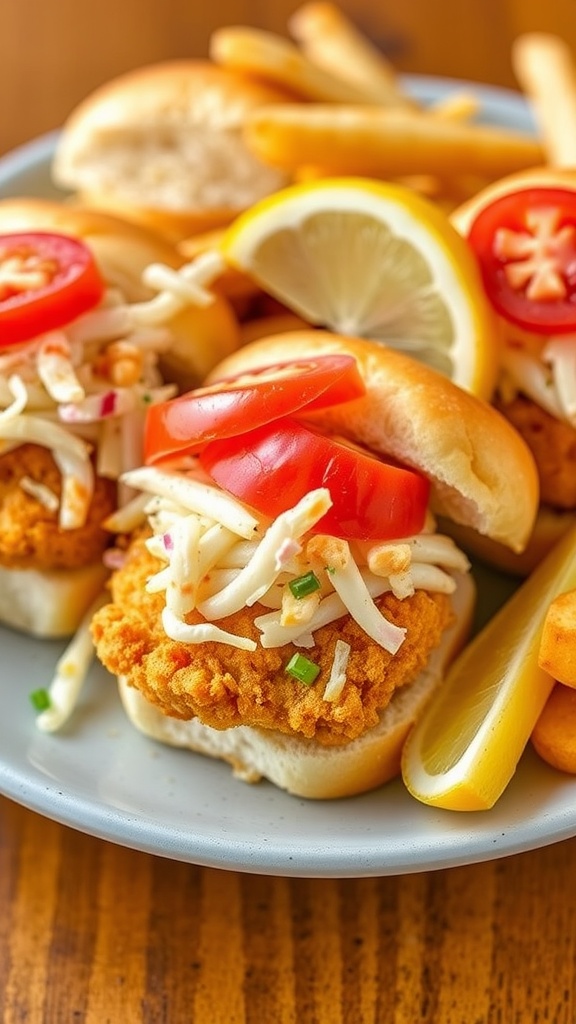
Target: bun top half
{"points": [[123, 250], [533, 177], [163, 144], [482, 473]]}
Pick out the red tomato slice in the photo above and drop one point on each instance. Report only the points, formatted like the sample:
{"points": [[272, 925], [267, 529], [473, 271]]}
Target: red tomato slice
{"points": [[272, 467], [526, 244], [46, 281], [236, 404]]}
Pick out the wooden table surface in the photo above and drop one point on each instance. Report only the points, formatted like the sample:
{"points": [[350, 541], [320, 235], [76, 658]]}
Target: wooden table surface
{"points": [[92, 932]]}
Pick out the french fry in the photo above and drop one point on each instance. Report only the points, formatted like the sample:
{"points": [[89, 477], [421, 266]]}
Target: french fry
{"points": [[333, 43], [384, 142], [558, 644], [270, 56], [546, 71], [554, 735]]}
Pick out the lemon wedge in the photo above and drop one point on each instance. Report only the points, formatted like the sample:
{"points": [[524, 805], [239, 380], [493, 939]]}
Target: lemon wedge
{"points": [[372, 259], [464, 750]]}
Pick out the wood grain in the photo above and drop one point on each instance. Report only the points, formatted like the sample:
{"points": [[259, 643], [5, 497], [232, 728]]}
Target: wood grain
{"points": [[97, 933]]}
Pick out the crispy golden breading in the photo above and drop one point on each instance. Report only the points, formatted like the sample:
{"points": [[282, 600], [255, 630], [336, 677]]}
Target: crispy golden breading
{"points": [[553, 445], [224, 686], [30, 537]]}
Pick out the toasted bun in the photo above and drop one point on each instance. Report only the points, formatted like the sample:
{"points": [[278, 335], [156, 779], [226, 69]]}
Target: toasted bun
{"points": [[202, 336], [303, 767], [48, 604], [482, 473], [163, 145], [553, 177]]}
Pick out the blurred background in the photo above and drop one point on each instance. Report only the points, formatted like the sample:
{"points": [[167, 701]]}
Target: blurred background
{"points": [[53, 54]]}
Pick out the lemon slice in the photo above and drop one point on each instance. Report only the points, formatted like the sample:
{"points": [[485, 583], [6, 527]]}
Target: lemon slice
{"points": [[464, 750], [374, 260]]}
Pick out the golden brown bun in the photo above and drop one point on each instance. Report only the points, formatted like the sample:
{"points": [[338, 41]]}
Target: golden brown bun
{"points": [[553, 177], [48, 604], [163, 145], [122, 249], [303, 767], [482, 472], [549, 527], [202, 336]]}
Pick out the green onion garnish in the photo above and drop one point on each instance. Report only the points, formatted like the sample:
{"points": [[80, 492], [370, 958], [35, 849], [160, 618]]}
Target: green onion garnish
{"points": [[302, 669], [40, 699], [304, 585]]}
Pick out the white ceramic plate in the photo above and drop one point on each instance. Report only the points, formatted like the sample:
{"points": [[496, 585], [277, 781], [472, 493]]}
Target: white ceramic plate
{"points": [[103, 778]]}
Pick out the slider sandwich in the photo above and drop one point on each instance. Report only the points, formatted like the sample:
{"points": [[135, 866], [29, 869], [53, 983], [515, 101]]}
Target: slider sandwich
{"points": [[523, 230], [93, 329], [287, 604]]}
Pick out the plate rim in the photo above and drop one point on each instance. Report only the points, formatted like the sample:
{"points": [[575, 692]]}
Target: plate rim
{"points": [[46, 796]]}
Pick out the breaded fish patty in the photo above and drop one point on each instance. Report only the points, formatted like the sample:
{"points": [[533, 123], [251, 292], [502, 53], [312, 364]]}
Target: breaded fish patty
{"points": [[224, 686], [553, 445], [30, 536]]}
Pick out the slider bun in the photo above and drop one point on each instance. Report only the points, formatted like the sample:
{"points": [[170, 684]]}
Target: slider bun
{"points": [[202, 336], [551, 177], [302, 767], [482, 473], [48, 604], [163, 145], [122, 249]]}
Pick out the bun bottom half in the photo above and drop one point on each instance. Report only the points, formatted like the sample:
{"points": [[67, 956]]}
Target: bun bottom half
{"points": [[48, 604], [302, 767]]}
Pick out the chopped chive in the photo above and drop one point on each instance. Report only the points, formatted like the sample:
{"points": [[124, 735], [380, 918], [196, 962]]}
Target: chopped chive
{"points": [[302, 669], [304, 585], [40, 699]]}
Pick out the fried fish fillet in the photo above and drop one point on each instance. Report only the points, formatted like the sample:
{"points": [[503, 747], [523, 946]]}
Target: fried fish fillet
{"points": [[224, 686], [553, 445], [30, 536]]}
